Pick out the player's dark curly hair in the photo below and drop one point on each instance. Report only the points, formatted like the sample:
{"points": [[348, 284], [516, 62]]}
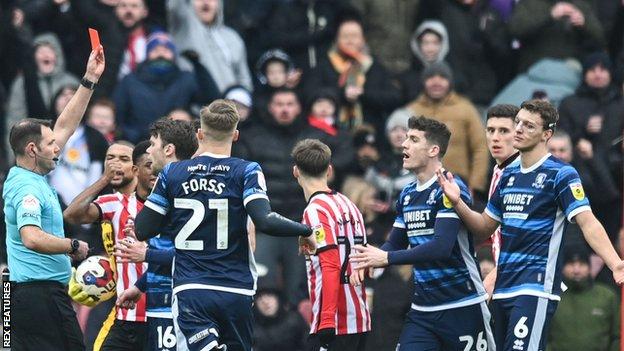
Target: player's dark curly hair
{"points": [[436, 132], [179, 133], [546, 110]]}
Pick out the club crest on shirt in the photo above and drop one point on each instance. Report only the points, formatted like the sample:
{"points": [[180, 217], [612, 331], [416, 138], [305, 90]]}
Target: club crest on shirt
{"points": [[319, 233], [431, 200], [446, 202], [539, 181], [510, 182], [406, 200], [577, 191]]}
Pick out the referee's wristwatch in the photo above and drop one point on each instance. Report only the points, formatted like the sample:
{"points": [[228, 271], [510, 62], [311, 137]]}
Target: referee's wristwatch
{"points": [[75, 245]]}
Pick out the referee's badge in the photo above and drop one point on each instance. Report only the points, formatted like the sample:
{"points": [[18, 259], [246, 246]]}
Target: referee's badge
{"points": [[319, 233], [577, 191]]}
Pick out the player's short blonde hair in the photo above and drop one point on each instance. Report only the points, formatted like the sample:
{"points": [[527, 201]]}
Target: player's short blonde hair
{"points": [[219, 119]]}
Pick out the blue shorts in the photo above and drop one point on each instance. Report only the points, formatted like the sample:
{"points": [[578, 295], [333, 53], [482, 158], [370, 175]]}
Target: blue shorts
{"points": [[207, 319], [462, 328], [160, 334], [521, 322]]}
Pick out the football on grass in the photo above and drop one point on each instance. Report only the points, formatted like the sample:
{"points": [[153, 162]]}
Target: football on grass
{"points": [[96, 277]]}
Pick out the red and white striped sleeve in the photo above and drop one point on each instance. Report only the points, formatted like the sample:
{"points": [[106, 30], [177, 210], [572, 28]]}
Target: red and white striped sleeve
{"points": [[108, 205], [322, 221]]}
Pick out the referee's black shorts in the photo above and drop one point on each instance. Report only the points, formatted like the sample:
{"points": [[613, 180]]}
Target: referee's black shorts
{"points": [[42, 318]]}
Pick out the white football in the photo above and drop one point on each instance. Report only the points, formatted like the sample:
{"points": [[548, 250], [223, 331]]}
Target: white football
{"points": [[96, 278]]}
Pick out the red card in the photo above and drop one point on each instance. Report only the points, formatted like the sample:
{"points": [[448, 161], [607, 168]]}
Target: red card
{"points": [[95, 38]]}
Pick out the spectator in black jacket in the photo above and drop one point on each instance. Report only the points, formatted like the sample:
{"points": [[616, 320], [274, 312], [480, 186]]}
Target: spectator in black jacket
{"points": [[366, 91], [277, 328], [593, 118], [123, 33], [269, 143]]}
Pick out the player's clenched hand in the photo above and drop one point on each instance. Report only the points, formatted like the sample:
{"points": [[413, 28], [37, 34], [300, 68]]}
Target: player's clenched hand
{"points": [[307, 245], [448, 185], [129, 298], [76, 293], [368, 257], [130, 250], [618, 273]]}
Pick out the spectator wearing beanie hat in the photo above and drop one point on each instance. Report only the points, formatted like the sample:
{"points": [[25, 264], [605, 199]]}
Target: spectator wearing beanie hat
{"points": [[243, 101], [595, 302], [592, 116], [467, 154], [157, 87]]}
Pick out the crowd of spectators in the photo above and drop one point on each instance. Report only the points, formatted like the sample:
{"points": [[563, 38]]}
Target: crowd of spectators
{"points": [[348, 72]]}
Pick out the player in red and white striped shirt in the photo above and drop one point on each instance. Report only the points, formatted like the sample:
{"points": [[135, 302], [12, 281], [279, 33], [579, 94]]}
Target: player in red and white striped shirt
{"points": [[128, 171], [499, 135], [340, 315]]}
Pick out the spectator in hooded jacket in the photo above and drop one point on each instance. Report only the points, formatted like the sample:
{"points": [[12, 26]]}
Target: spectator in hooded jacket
{"points": [[467, 153], [366, 91], [429, 45], [156, 88], [274, 70], [593, 118], [198, 26]]}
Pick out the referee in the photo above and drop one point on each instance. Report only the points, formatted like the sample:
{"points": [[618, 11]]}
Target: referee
{"points": [[37, 250]]}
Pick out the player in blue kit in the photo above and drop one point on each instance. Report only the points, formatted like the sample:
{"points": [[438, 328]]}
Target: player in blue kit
{"points": [[532, 202], [170, 141], [449, 309], [205, 201]]}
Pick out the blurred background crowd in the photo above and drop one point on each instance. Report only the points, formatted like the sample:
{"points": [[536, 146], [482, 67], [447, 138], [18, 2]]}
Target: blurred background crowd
{"points": [[349, 73]]}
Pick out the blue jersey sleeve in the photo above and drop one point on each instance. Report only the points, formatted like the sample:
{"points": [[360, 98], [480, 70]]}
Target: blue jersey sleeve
{"points": [[158, 200], [570, 194], [399, 222], [254, 186], [28, 202]]}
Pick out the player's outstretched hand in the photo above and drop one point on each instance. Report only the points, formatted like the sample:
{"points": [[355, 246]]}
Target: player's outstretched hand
{"points": [[307, 245], [95, 65], [448, 185], [618, 273], [129, 298], [76, 293], [130, 250], [368, 257]]}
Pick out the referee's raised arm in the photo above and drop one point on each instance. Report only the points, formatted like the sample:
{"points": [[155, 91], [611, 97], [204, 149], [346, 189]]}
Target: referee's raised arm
{"points": [[72, 114]]}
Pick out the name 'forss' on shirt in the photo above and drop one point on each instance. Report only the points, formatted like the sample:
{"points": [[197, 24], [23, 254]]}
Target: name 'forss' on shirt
{"points": [[532, 206], [205, 216], [440, 284]]}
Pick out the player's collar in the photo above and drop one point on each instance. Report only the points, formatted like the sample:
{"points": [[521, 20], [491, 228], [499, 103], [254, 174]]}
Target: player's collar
{"points": [[509, 160], [535, 165], [427, 184], [330, 192], [214, 155]]}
